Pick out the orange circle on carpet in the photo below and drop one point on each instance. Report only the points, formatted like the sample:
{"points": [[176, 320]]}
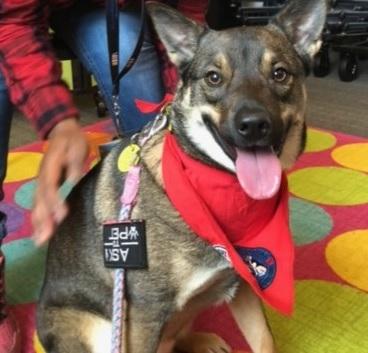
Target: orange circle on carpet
{"points": [[347, 255], [330, 185], [98, 138], [94, 138], [354, 156], [22, 166], [319, 141]]}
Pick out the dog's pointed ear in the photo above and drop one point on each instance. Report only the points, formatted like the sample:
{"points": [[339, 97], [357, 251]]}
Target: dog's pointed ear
{"points": [[303, 21], [178, 34]]}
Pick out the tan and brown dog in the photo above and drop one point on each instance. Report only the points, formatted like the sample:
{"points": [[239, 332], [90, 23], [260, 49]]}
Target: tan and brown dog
{"points": [[241, 90]]}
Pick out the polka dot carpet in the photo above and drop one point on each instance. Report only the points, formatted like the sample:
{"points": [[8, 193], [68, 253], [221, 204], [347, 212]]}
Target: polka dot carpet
{"points": [[329, 219]]}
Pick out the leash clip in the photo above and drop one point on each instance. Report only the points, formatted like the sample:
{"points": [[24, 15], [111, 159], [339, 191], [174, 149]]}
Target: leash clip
{"points": [[157, 125]]}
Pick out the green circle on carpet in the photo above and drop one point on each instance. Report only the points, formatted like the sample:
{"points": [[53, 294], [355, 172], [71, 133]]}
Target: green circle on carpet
{"points": [[319, 140], [308, 221], [330, 185], [329, 317], [24, 195], [25, 265]]}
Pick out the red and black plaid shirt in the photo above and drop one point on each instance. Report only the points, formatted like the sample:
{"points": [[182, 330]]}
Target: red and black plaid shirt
{"points": [[31, 70]]}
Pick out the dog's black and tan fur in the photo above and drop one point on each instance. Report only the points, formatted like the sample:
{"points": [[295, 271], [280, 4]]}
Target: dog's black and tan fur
{"points": [[243, 88]]}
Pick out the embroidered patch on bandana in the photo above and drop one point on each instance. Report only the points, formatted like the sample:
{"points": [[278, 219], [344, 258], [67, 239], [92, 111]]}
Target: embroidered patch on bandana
{"points": [[261, 263]]}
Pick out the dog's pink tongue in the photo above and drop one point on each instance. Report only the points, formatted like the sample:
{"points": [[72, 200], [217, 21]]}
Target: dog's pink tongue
{"points": [[259, 173]]}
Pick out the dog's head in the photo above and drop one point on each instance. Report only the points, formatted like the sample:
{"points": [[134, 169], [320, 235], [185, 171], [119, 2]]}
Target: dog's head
{"points": [[241, 98]]}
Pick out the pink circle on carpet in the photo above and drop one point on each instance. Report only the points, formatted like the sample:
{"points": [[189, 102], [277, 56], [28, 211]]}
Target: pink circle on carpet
{"points": [[15, 216]]}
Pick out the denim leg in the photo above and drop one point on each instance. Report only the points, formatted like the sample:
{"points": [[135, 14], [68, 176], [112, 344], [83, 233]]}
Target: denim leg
{"points": [[6, 112], [83, 27]]}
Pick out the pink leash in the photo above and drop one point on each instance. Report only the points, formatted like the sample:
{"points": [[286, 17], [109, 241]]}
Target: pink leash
{"points": [[131, 186], [128, 199]]}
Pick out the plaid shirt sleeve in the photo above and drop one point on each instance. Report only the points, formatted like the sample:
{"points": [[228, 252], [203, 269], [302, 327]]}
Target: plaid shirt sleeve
{"points": [[32, 72]]}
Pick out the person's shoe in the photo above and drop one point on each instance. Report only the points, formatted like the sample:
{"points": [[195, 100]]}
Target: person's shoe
{"points": [[9, 331], [9, 335]]}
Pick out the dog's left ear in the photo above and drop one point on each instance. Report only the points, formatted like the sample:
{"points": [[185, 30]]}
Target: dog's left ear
{"points": [[178, 34], [303, 21]]}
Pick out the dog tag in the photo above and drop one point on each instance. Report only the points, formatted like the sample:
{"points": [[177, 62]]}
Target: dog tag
{"points": [[128, 158], [124, 244]]}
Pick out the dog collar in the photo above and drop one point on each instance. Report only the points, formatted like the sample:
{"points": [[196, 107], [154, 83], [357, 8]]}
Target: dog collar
{"points": [[253, 235]]}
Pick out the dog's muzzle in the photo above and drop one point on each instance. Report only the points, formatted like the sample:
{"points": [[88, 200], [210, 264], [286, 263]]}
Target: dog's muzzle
{"points": [[248, 143], [254, 128]]}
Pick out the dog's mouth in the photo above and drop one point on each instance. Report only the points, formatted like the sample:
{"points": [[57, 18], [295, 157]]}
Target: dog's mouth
{"points": [[258, 169]]}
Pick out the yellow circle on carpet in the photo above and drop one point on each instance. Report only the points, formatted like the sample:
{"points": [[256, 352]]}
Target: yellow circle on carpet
{"points": [[328, 317], [319, 141], [347, 255], [37, 344], [330, 185], [22, 166], [354, 156]]}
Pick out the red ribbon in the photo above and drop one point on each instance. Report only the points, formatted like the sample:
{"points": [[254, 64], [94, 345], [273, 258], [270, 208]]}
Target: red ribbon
{"points": [[146, 107]]}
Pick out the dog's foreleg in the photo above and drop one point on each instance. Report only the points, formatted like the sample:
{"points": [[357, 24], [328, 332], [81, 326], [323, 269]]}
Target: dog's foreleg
{"points": [[202, 342], [143, 328], [249, 315], [68, 330]]}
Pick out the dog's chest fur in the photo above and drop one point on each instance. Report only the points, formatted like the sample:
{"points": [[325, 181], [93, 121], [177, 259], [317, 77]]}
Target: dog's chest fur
{"points": [[181, 265]]}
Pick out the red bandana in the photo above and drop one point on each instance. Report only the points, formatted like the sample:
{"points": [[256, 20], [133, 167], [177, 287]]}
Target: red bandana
{"points": [[254, 235]]}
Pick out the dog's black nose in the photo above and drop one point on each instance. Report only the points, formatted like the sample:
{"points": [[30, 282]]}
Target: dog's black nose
{"points": [[255, 127]]}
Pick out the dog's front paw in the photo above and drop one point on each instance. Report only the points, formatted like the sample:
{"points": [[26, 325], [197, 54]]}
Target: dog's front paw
{"points": [[202, 343]]}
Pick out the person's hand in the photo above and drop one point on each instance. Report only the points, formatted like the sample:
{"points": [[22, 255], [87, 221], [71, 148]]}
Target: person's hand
{"points": [[63, 160]]}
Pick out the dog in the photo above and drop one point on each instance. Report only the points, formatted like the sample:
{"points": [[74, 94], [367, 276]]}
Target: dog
{"points": [[241, 93]]}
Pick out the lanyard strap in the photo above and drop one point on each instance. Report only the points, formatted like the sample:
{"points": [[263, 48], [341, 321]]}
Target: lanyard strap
{"points": [[112, 22]]}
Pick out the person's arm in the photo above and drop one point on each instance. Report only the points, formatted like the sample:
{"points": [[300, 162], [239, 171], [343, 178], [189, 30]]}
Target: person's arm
{"points": [[33, 77], [65, 157], [32, 72]]}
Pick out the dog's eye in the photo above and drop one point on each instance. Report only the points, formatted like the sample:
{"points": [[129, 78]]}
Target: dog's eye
{"points": [[280, 75], [213, 78]]}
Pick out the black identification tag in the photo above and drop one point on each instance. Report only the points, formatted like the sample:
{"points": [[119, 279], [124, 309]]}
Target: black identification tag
{"points": [[125, 244]]}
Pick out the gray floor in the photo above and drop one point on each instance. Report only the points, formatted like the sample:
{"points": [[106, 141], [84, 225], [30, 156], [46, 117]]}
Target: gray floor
{"points": [[337, 105], [22, 132], [333, 105]]}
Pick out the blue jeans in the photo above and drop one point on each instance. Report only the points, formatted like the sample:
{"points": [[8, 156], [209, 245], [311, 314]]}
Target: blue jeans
{"points": [[6, 111], [83, 28]]}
